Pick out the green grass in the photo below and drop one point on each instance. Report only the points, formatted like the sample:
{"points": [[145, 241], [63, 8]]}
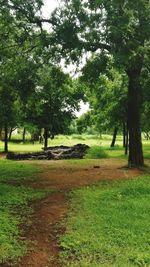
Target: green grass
{"points": [[14, 208], [90, 140], [96, 152], [109, 225], [12, 170], [102, 141]]}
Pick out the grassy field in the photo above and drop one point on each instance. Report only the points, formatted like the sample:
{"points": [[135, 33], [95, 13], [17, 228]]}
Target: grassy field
{"points": [[109, 225], [14, 208], [103, 141]]}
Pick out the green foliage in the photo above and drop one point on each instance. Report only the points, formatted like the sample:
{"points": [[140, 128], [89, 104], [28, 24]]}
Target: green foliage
{"points": [[106, 91], [96, 152], [122, 30], [83, 122], [109, 225], [56, 100]]}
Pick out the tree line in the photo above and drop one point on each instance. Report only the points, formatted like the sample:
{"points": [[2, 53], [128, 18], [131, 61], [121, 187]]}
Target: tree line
{"points": [[113, 35]]}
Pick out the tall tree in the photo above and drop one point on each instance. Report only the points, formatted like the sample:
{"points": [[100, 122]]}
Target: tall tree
{"points": [[52, 106], [122, 28]]}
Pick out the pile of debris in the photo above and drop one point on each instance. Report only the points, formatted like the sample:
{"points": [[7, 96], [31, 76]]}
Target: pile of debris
{"points": [[52, 153]]}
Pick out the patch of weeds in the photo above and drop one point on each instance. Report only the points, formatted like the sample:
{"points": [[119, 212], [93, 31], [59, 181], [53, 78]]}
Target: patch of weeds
{"points": [[96, 152]]}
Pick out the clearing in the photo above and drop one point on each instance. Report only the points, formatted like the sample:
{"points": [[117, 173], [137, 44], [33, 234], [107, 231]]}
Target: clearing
{"points": [[60, 178]]}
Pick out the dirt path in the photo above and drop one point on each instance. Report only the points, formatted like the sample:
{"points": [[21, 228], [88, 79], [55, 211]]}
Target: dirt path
{"points": [[48, 213]]}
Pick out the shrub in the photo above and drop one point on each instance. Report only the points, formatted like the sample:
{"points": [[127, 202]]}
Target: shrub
{"points": [[96, 152]]}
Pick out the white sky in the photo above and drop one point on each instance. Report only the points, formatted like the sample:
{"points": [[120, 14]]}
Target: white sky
{"points": [[49, 6]]}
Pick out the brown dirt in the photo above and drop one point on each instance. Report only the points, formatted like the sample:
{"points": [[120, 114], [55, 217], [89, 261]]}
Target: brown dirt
{"points": [[2, 155], [49, 213]]}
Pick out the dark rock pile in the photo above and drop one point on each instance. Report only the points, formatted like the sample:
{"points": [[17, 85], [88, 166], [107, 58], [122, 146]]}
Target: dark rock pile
{"points": [[52, 153]]}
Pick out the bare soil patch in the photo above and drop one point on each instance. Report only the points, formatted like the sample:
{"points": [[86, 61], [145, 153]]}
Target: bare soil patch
{"points": [[49, 213]]}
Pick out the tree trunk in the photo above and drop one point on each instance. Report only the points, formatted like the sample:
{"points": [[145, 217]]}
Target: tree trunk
{"points": [[10, 134], [0, 133], [6, 139], [114, 137], [24, 135], [124, 134], [127, 141], [45, 138], [147, 136], [134, 104]]}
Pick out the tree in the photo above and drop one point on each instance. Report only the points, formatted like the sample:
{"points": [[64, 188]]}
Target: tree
{"points": [[52, 107], [18, 38], [122, 28], [83, 122], [106, 88]]}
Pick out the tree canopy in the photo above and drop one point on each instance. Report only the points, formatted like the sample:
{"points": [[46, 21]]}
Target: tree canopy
{"points": [[122, 30]]}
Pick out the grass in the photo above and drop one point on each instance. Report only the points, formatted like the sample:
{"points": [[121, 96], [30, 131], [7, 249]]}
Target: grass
{"points": [[90, 140], [14, 208], [102, 141], [12, 170], [109, 225], [96, 152]]}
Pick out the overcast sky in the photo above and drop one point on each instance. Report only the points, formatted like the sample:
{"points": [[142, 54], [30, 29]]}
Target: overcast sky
{"points": [[49, 6]]}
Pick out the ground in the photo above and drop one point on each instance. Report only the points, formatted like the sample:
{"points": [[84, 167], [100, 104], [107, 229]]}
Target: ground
{"points": [[61, 177]]}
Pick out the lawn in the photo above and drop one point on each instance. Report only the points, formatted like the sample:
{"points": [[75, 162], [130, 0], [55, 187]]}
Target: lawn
{"points": [[15, 210], [102, 141], [109, 225]]}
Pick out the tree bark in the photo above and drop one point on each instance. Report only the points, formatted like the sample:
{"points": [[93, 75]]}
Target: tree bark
{"points": [[6, 139], [10, 134], [127, 141], [134, 104], [24, 135], [45, 138], [114, 137], [124, 134], [0, 133]]}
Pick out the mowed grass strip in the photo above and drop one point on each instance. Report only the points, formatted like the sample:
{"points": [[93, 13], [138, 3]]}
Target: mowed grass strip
{"points": [[109, 225], [14, 209]]}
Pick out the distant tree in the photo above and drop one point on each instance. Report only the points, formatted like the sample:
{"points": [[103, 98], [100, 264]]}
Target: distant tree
{"points": [[106, 88], [52, 107], [83, 122]]}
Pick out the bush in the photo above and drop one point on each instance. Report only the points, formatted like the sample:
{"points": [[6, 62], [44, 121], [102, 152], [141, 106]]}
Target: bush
{"points": [[96, 152]]}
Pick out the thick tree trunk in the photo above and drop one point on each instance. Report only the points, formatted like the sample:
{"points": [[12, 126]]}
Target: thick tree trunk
{"points": [[6, 139], [114, 137], [45, 138], [134, 104], [24, 135]]}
